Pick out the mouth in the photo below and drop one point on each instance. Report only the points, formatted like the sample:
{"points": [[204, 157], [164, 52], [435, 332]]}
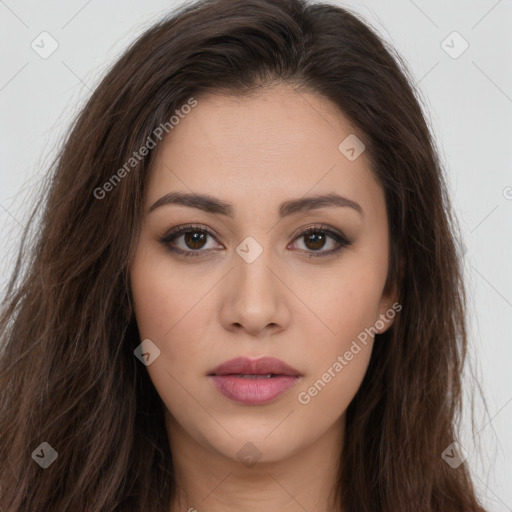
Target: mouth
{"points": [[254, 381], [252, 376], [264, 367]]}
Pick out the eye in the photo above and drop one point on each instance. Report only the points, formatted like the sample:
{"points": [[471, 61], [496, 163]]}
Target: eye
{"points": [[315, 238], [195, 239]]}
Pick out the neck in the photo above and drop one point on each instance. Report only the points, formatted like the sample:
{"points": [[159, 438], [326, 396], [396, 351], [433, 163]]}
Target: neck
{"points": [[210, 481]]}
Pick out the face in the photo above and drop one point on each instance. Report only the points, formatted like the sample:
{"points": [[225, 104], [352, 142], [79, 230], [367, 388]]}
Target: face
{"points": [[260, 271]]}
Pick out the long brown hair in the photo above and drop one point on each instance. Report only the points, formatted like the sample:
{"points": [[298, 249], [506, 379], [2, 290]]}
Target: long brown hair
{"points": [[68, 375]]}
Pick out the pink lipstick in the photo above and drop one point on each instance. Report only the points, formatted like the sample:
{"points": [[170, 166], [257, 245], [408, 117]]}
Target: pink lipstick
{"points": [[254, 381]]}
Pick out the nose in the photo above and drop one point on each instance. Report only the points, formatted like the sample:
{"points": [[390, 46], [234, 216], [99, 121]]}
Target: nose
{"points": [[255, 299]]}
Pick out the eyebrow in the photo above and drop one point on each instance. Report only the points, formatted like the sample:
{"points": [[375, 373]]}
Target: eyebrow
{"points": [[211, 204]]}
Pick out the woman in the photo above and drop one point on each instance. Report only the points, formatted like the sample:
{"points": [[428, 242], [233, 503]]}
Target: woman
{"points": [[245, 292]]}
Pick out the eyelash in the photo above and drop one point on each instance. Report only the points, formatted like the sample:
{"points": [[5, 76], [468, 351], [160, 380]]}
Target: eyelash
{"points": [[175, 233]]}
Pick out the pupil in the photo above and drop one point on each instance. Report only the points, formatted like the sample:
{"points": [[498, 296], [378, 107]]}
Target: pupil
{"points": [[196, 238], [316, 239]]}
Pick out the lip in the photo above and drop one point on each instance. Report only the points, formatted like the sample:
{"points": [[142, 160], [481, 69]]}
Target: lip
{"points": [[248, 366], [256, 390]]}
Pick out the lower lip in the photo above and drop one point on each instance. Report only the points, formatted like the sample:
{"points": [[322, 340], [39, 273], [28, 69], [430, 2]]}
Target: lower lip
{"points": [[253, 391]]}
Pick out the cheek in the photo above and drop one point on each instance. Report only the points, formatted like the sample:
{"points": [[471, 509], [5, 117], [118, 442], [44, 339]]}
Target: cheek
{"points": [[339, 359], [164, 312], [349, 305], [327, 396], [349, 301], [164, 301], [171, 311]]}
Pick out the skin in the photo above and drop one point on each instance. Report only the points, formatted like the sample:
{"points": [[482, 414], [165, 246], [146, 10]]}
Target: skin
{"points": [[255, 153]]}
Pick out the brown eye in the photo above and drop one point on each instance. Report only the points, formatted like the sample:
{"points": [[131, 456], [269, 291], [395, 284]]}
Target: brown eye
{"points": [[195, 239], [188, 241], [314, 239]]}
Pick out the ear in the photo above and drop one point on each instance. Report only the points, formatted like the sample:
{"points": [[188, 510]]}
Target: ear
{"points": [[389, 305], [387, 312]]}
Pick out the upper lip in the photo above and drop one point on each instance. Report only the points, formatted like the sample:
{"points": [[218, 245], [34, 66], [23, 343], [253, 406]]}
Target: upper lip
{"points": [[248, 366]]}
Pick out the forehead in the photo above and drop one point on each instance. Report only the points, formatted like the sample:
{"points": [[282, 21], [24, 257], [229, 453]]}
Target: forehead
{"points": [[273, 144]]}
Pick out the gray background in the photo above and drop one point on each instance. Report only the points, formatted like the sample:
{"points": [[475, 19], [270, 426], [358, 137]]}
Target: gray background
{"points": [[469, 102]]}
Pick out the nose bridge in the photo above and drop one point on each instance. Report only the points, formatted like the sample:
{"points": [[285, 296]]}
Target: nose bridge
{"points": [[255, 296], [253, 278]]}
